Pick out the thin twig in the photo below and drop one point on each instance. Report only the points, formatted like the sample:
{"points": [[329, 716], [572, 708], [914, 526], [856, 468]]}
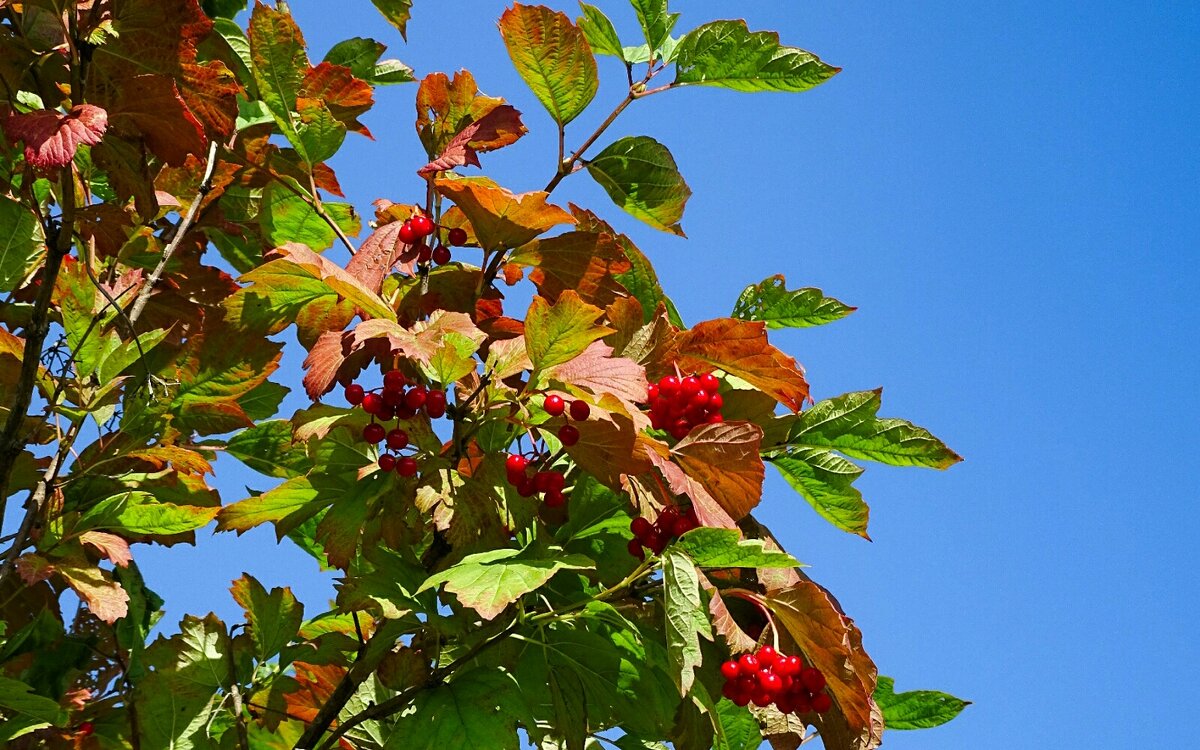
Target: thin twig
{"points": [[319, 207]]}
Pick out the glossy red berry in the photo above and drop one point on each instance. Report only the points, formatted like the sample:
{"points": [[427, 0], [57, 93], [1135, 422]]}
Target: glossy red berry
{"points": [[748, 663], [821, 702], [372, 403], [515, 463], [767, 656], [542, 481], [354, 394], [730, 670], [669, 385], [640, 527], [373, 433], [387, 462], [770, 681], [709, 382], [681, 526], [813, 679], [441, 255], [715, 419], [763, 698], [435, 404], [656, 541], [635, 549], [424, 253], [457, 236], [394, 380], [555, 499], [408, 233], [555, 405], [690, 386], [580, 410], [397, 439], [789, 666], [407, 467], [393, 398], [652, 394], [568, 434], [415, 398], [715, 402], [680, 429], [525, 487], [422, 225]]}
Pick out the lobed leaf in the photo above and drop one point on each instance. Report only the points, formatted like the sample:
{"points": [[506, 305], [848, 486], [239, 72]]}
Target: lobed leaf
{"points": [[686, 617], [274, 617], [559, 333], [771, 302], [499, 218], [728, 54], [490, 581], [723, 548]]}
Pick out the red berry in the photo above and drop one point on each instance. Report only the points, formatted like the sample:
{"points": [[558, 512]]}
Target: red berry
{"points": [[372, 403], [435, 404], [730, 670], [651, 393], [557, 481], [415, 398], [543, 481], [555, 499], [813, 680], [655, 541], [801, 703], [516, 463], [789, 666], [397, 439], [640, 527], [770, 682], [354, 394], [555, 405], [635, 549], [715, 419], [681, 526], [668, 385], [680, 429], [580, 410], [763, 698], [748, 663], [699, 400], [424, 254], [422, 225], [741, 699], [441, 255], [690, 386], [393, 398], [457, 236], [407, 467], [785, 704], [709, 382], [86, 729], [822, 703], [568, 434], [394, 380], [387, 462], [373, 433], [715, 402], [525, 487], [767, 656], [408, 233], [729, 690]]}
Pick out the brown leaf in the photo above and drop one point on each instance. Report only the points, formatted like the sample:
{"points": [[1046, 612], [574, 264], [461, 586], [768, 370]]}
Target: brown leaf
{"points": [[740, 348], [723, 622], [51, 137], [724, 459], [324, 360], [831, 642], [583, 261], [210, 91], [708, 510], [111, 546], [379, 252], [316, 683], [445, 107], [497, 128], [499, 218], [103, 596], [606, 450], [346, 97], [597, 371]]}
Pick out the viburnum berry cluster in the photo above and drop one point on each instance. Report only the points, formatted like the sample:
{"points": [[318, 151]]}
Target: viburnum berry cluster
{"points": [[767, 677], [679, 404], [671, 523], [547, 482], [418, 227], [399, 400], [579, 411]]}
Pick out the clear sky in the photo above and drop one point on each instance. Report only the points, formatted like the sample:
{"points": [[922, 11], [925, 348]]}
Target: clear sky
{"points": [[1008, 192]]}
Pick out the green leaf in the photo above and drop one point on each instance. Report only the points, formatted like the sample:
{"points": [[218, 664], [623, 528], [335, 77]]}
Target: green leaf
{"points": [[640, 175], [772, 303], [274, 617], [728, 54], [722, 548], [140, 513], [916, 709], [655, 20], [849, 425], [26, 709], [825, 480], [560, 333], [553, 57], [223, 9], [734, 728], [279, 63], [599, 31], [318, 134], [125, 354], [288, 217], [686, 617], [22, 245], [270, 448], [262, 402], [397, 13], [361, 56], [490, 581], [294, 500], [477, 709]]}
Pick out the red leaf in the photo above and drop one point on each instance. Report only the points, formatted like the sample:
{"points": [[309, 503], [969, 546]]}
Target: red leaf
{"points": [[497, 128], [151, 105], [378, 254], [346, 97], [111, 546], [51, 138]]}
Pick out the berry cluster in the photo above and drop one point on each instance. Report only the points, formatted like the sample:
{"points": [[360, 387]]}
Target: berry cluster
{"points": [[548, 483], [679, 404], [768, 677], [397, 400], [415, 229], [671, 522], [578, 410]]}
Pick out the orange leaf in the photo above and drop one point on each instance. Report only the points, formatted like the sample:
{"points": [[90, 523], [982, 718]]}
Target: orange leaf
{"points": [[708, 510], [500, 126], [111, 546], [379, 252], [445, 107], [584, 261], [103, 596], [346, 97], [724, 459], [499, 218]]}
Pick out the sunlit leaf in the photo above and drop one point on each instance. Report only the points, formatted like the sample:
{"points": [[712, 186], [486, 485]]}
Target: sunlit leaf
{"points": [[490, 581], [274, 617], [558, 333], [728, 54], [772, 303], [916, 709], [641, 176], [740, 348], [553, 57], [600, 33], [499, 218], [686, 616], [723, 548]]}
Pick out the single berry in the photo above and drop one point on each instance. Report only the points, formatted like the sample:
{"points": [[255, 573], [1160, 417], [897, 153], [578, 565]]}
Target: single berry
{"points": [[424, 254], [372, 403], [373, 433], [640, 527], [408, 233], [681, 526], [407, 467], [821, 703], [386, 413], [397, 439], [580, 410], [354, 394], [789, 666], [515, 463], [557, 481], [767, 656], [770, 681], [652, 393], [709, 382], [555, 499], [415, 398], [785, 704], [715, 419], [403, 412], [422, 225], [525, 487], [763, 698], [86, 729], [690, 385], [730, 670], [668, 385], [729, 690], [543, 481], [635, 549], [715, 402], [741, 699], [655, 541], [555, 405], [393, 398], [435, 404], [813, 679], [394, 380], [801, 703], [457, 236], [441, 255], [387, 462], [680, 429], [668, 515], [748, 663], [568, 434]]}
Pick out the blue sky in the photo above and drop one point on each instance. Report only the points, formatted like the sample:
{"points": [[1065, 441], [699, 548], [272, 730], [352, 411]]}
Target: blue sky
{"points": [[1008, 192]]}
